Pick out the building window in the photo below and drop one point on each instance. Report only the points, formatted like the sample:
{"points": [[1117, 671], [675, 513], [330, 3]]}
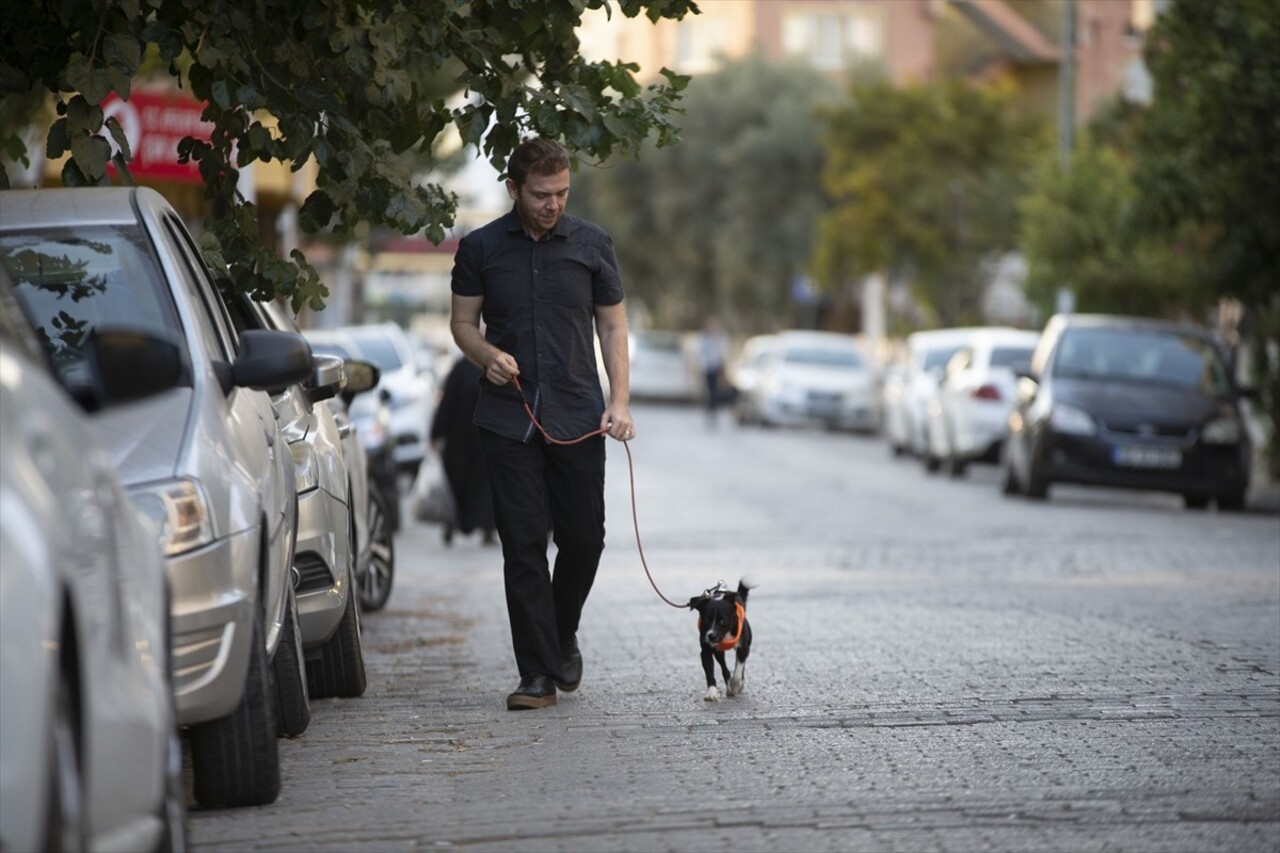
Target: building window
{"points": [[699, 44], [833, 41]]}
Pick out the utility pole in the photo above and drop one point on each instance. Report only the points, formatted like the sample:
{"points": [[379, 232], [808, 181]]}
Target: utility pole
{"points": [[1067, 84]]}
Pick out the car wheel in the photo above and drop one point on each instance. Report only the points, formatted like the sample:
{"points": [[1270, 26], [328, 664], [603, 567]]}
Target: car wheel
{"points": [[1009, 481], [375, 583], [173, 810], [1195, 501], [1234, 501], [1037, 485], [339, 668], [931, 462], [293, 703], [64, 807], [957, 467], [235, 760]]}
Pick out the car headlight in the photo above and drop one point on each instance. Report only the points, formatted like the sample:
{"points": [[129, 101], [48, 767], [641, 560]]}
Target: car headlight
{"points": [[1223, 430], [306, 467], [403, 400], [180, 513], [1069, 419]]}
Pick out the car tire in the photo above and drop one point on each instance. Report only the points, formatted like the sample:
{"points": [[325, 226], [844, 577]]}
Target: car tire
{"points": [[957, 467], [931, 463], [375, 583], [65, 816], [173, 811], [1037, 485], [1231, 502], [175, 835], [1195, 501], [293, 703], [338, 669], [235, 760]]}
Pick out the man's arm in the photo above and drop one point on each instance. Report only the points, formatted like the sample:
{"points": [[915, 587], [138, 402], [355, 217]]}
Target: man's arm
{"points": [[464, 323], [611, 326]]}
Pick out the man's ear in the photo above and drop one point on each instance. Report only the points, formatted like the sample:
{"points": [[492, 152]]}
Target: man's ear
{"points": [[512, 189]]}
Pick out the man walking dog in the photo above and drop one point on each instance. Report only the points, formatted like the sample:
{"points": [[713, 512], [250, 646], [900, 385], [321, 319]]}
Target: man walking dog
{"points": [[539, 279]]}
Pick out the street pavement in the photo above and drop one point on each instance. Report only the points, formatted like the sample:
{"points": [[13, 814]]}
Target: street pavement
{"points": [[935, 667]]}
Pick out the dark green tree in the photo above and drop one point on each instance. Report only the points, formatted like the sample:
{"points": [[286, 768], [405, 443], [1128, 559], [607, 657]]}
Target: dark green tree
{"points": [[924, 182], [1080, 232], [1208, 161], [723, 222], [344, 82]]}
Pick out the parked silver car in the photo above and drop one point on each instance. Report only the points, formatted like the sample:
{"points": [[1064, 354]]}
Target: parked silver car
{"points": [[89, 751], [324, 560], [205, 459]]}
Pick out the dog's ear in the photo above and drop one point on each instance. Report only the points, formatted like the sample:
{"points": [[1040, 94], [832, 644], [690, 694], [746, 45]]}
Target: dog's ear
{"points": [[696, 602]]}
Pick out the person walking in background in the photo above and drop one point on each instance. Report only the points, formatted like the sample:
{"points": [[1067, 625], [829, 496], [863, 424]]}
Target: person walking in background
{"points": [[544, 283], [713, 347], [457, 441]]}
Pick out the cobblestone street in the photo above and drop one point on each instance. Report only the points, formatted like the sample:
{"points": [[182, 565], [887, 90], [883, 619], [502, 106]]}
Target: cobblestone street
{"points": [[935, 667]]}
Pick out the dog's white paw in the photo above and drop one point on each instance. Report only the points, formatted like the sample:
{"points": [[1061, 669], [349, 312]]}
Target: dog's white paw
{"points": [[713, 695]]}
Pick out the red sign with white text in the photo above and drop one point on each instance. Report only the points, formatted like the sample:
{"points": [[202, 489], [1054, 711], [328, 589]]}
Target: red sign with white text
{"points": [[154, 123]]}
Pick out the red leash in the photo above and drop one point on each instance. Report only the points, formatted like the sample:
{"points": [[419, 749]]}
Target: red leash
{"points": [[631, 470]]}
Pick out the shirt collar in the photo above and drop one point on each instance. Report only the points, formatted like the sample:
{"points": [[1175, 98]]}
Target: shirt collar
{"points": [[562, 229]]}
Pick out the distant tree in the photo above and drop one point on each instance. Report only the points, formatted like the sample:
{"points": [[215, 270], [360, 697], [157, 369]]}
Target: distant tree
{"points": [[1209, 160], [924, 182], [723, 222], [1079, 232], [344, 83]]}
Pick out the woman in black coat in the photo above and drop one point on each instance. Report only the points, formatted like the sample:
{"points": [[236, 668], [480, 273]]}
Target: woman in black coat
{"points": [[456, 439]]}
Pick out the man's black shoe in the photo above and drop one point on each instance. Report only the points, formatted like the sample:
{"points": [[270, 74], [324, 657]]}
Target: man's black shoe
{"points": [[570, 667], [535, 691]]}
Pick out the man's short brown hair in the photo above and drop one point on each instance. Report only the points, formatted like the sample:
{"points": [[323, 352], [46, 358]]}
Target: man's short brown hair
{"points": [[537, 156]]}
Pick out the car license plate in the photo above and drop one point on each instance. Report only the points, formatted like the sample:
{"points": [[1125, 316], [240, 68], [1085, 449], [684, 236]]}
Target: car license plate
{"points": [[1137, 456]]}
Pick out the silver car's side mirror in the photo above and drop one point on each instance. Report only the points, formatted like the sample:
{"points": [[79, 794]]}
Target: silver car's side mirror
{"points": [[271, 361]]}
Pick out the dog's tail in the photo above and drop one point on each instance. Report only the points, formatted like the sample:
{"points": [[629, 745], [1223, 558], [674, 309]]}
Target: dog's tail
{"points": [[744, 585]]}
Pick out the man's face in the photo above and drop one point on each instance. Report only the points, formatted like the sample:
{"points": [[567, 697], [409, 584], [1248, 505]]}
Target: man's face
{"points": [[541, 201]]}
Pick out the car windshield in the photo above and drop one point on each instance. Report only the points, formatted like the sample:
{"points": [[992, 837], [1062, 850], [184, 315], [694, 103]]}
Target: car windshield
{"points": [[822, 356], [72, 282], [1010, 356], [1139, 355], [938, 357], [381, 352], [329, 349]]}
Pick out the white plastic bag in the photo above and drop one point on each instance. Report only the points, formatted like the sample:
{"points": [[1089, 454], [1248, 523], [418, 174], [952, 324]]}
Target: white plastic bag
{"points": [[432, 497]]}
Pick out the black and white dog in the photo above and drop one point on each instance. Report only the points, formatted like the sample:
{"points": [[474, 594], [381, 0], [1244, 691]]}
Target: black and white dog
{"points": [[722, 625]]}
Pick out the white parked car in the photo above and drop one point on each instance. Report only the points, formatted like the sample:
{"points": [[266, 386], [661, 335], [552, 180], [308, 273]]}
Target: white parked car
{"points": [[822, 378], [970, 418], [411, 391], [89, 752], [662, 368], [915, 387], [744, 377]]}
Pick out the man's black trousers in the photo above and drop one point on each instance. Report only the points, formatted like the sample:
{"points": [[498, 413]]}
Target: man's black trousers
{"points": [[537, 485]]}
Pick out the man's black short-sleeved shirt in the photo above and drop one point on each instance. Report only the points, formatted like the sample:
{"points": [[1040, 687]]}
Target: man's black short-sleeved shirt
{"points": [[539, 306]]}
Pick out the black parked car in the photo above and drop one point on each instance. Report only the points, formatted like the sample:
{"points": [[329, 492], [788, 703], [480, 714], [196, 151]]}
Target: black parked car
{"points": [[1133, 403]]}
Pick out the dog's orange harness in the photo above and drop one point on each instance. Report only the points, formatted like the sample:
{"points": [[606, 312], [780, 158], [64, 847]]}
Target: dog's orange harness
{"points": [[729, 642]]}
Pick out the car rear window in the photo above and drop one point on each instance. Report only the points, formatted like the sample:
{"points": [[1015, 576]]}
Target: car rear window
{"points": [[1141, 355], [1009, 356], [381, 352], [823, 356], [71, 282]]}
